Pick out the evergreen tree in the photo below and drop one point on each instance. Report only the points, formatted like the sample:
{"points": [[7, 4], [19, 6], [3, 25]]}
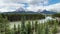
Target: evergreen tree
{"points": [[23, 28], [47, 29], [32, 27], [36, 25], [29, 30], [18, 29], [15, 30], [55, 27], [7, 30], [39, 29], [6, 26]]}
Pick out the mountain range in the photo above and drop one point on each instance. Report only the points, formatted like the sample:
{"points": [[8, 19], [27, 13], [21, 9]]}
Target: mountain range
{"points": [[22, 11], [47, 12]]}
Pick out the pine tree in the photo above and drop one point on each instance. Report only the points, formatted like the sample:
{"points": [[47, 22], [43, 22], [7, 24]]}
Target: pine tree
{"points": [[36, 25], [55, 27], [23, 28], [39, 29], [7, 29], [6, 26], [18, 29], [15, 29], [29, 30], [47, 29], [32, 27]]}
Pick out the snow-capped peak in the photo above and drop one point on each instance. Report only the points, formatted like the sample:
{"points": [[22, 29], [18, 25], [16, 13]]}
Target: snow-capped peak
{"points": [[20, 9]]}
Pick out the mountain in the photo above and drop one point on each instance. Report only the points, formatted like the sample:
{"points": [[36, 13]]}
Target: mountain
{"points": [[22, 11], [47, 12]]}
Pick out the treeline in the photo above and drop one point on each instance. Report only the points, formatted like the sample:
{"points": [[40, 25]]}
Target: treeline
{"points": [[56, 15], [17, 17]]}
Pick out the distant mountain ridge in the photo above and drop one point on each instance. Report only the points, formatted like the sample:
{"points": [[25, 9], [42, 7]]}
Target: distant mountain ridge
{"points": [[22, 11], [47, 12]]}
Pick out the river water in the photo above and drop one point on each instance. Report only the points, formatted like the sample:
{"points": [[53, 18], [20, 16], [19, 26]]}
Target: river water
{"points": [[40, 21]]}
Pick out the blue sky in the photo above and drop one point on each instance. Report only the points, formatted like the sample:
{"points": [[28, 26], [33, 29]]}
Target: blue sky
{"points": [[54, 1], [31, 5], [49, 1]]}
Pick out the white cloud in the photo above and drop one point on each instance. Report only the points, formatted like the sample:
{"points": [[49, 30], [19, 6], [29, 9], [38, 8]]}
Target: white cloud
{"points": [[34, 5], [9, 5], [4, 7], [39, 2], [27, 1], [35, 8], [53, 7], [16, 1]]}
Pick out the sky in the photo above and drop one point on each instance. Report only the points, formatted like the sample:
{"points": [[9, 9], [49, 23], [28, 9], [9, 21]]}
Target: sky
{"points": [[30, 5]]}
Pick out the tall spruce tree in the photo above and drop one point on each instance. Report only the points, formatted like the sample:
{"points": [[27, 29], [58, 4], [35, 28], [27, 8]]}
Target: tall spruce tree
{"points": [[15, 29], [18, 31], [36, 25], [29, 30], [32, 27], [39, 28], [23, 28], [55, 27], [47, 29]]}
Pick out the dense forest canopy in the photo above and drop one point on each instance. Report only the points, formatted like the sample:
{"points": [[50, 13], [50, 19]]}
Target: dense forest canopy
{"points": [[56, 15], [17, 17]]}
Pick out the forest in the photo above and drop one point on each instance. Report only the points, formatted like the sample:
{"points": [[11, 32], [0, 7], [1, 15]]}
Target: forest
{"points": [[49, 27], [17, 17]]}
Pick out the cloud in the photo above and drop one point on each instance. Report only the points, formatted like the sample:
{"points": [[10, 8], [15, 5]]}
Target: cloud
{"points": [[32, 2], [33, 5], [34, 8], [10, 5], [16, 1], [53, 7], [39, 2], [5, 7]]}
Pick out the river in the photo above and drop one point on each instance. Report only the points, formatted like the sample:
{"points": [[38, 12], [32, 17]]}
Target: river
{"points": [[40, 21]]}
